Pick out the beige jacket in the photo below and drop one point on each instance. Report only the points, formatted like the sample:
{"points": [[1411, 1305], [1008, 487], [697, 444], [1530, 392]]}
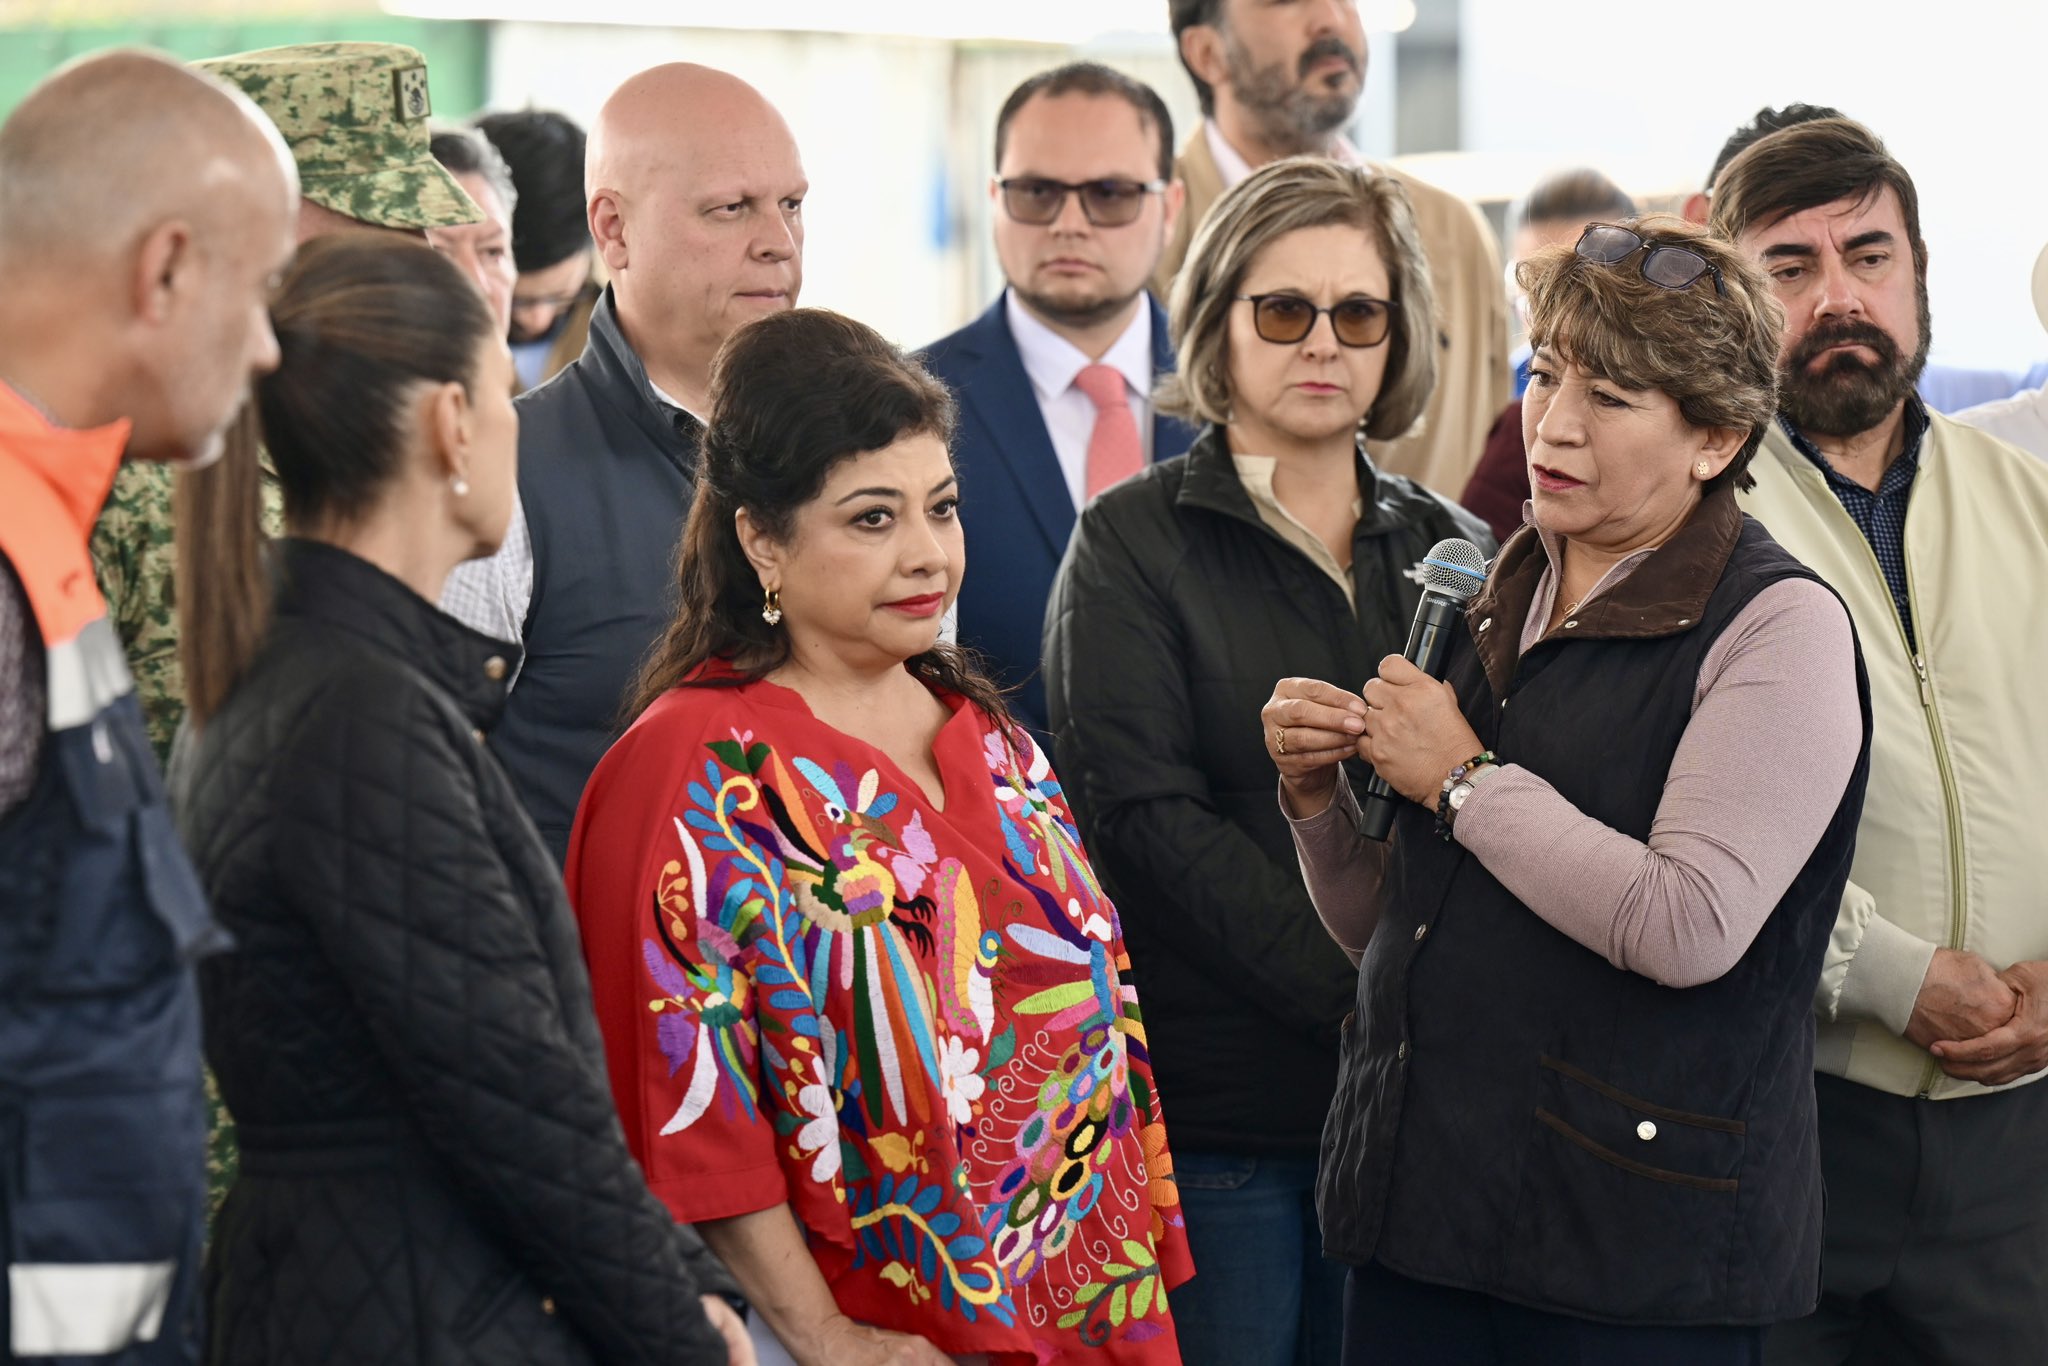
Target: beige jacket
{"points": [[1950, 850], [1473, 381]]}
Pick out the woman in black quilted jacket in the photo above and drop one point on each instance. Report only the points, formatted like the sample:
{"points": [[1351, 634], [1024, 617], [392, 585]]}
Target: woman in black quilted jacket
{"points": [[432, 1171]]}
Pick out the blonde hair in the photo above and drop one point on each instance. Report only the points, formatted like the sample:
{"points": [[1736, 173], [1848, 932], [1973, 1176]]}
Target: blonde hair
{"points": [[1714, 353], [1285, 197]]}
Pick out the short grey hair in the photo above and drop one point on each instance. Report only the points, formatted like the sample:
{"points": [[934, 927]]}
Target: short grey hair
{"points": [[1284, 197], [464, 151]]}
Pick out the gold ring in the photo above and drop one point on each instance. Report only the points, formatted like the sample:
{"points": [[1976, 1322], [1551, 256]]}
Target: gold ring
{"points": [[1280, 739]]}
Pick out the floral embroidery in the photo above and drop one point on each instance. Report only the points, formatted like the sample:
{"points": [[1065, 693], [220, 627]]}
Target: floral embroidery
{"points": [[958, 1066], [820, 1135], [939, 1033]]}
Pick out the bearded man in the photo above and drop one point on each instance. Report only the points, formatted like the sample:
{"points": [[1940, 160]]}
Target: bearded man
{"points": [[1933, 999]]}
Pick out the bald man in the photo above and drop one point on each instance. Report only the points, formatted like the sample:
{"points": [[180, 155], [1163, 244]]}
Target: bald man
{"points": [[354, 116], [701, 233], [136, 256]]}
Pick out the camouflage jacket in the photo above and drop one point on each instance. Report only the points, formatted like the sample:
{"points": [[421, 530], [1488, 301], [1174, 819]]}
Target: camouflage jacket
{"points": [[133, 553]]}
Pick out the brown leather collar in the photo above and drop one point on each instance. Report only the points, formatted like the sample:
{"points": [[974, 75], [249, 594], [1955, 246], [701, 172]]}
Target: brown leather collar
{"points": [[1666, 594]]}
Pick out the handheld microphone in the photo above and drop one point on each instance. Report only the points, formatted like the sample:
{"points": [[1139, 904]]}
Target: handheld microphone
{"points": [[1452, 574]]}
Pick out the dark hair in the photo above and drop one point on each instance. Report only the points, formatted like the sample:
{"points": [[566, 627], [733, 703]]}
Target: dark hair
{"points": [[1092, 78], [1766, 122], [464, 151], [361, 321], [1806, 166], [792, 396], [1183, 15], [1575, 196], [545, 151]]}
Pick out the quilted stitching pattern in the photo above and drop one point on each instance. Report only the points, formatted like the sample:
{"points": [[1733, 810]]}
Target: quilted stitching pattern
{"points": [[408, 968]]}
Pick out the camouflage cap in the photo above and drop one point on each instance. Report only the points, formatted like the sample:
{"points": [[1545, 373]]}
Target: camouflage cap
{"points": [[355, 116]]}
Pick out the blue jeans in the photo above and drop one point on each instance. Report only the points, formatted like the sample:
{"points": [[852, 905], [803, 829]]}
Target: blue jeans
{"points": [[1262, 1294]]}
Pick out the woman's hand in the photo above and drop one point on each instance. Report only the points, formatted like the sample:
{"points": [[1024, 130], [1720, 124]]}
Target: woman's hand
{"points": [[1414, 732], [739, 1348], [842, 1342], [1311, 727], [765, 1252]]}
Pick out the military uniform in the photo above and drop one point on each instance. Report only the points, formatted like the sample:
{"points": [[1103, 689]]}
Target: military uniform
{"points": [[355, 117], [136, 561]]}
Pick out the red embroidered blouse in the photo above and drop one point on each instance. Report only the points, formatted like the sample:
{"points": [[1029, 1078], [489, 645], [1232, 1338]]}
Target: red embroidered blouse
{"points": [[907, 1021]]}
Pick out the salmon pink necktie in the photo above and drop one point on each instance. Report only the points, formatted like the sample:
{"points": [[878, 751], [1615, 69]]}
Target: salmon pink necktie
{"points": [[1115, 452]]}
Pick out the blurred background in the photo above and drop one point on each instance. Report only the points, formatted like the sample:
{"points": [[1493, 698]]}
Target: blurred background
{"points": [[893, 104]]}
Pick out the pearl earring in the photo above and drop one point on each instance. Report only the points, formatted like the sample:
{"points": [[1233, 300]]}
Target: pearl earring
{"points": [[460, 486], [1703, 467], [771, 607]]}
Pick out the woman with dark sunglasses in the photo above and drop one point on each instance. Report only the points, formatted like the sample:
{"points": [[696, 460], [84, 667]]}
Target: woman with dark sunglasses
{"points": [[1576, 1121], [1304, 326]]}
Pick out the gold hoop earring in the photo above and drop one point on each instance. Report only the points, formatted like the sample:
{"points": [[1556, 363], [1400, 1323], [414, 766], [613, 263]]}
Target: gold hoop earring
{"points": [[771, 607]]}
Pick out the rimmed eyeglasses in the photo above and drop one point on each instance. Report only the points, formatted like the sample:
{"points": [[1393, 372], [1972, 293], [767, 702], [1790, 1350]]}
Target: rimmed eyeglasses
{"points": [[1106, 203], [1665, 264], [1285, 319]]}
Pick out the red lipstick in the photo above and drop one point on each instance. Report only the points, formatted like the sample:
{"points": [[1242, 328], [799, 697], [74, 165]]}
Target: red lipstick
{"points": [[924, 605]]}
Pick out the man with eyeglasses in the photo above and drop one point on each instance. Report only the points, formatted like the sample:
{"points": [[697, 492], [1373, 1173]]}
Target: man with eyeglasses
{"points": [[556, 288], [1279, 79], [1933, 998], [1055, 379]]}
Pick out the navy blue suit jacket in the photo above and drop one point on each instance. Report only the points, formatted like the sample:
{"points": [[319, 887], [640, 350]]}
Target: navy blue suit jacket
{"points": [[1014, 505]]}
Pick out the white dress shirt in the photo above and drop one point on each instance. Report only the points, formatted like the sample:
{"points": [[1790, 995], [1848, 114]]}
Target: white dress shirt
{"points": [[1235, 168], [1052, 362]]}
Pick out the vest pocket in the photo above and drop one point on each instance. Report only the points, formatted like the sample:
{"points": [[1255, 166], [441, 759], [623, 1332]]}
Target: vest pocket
{"points": [[131, 913], [1624, 1196], [109, 1177]]}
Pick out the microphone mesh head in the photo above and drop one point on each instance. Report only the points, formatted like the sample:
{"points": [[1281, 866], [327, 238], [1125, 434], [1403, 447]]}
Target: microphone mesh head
{"points": [[1454, 568]]}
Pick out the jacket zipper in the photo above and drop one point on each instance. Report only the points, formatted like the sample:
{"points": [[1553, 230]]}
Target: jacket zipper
{"points": [[1957, 916], [1957, 912]]}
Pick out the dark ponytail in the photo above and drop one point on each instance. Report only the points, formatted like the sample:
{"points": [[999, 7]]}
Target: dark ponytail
{"points": [[361, 321]]}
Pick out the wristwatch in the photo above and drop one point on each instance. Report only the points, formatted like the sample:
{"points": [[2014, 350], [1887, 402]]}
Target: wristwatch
{"points": [[1458, 790]]}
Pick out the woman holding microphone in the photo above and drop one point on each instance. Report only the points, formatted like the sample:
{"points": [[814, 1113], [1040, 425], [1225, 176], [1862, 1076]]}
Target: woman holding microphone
{"points": [[1575, 1121]]}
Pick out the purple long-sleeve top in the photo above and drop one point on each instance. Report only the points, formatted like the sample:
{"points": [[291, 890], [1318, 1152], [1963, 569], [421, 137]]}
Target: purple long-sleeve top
{"points": [[1773, 738]]}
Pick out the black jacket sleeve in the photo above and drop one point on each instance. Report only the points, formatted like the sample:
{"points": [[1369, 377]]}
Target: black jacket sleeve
{"points": [[1129, 754], [385, 849]]}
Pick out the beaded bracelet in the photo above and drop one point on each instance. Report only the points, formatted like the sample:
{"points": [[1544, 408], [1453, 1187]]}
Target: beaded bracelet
{"points": [[1443, 801], [1484, 756]]}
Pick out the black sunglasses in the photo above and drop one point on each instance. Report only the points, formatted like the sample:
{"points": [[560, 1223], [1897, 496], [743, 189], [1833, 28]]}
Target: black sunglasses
{"points": [[1288, 318], [1664, 265], [1106, 203]]}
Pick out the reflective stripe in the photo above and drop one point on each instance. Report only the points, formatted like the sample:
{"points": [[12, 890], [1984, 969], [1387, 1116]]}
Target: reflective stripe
{"points": [[72, 1309], [87, 674]]}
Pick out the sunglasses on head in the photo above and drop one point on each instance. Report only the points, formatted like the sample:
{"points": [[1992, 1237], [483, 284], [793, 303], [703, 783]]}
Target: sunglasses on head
{"points": [[1664, 264], [1288, 318], [1106, 203]]}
